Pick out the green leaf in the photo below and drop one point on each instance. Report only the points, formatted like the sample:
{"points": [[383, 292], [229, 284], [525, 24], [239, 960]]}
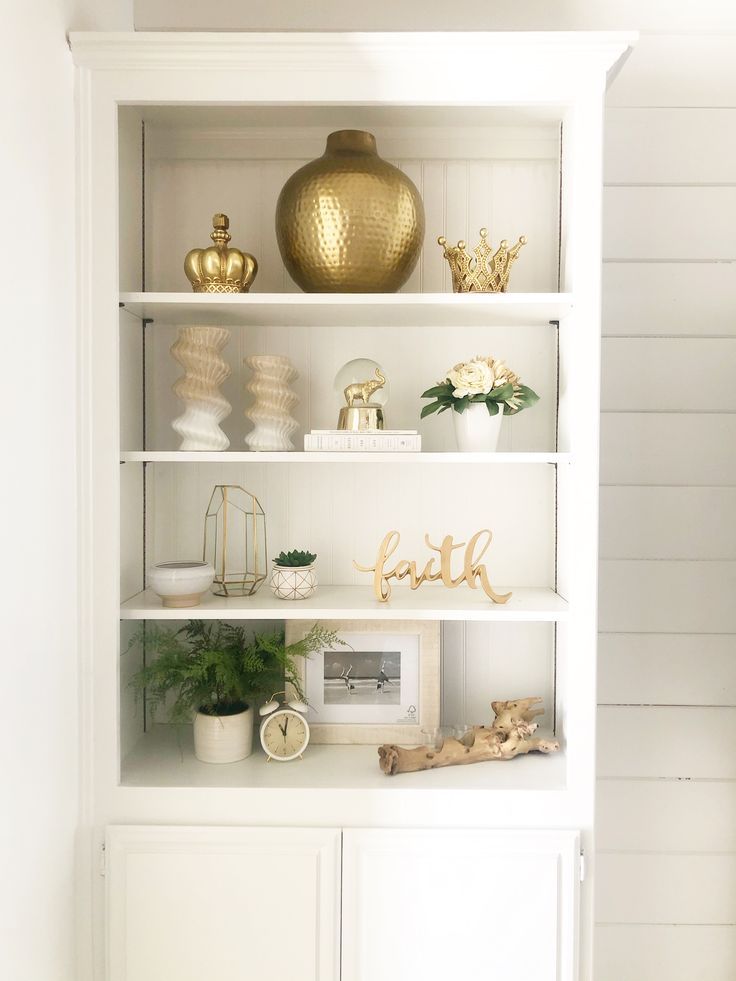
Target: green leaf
{"points": [[527, 396], [501, 393], [294, 559], [460, 405], [492, 408], [427, 410], [432, 393]]}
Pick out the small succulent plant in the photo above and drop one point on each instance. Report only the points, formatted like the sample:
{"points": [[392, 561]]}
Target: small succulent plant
{"points": [[294, 558]]}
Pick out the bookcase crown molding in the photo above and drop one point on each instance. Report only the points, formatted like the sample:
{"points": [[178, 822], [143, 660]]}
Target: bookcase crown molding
{"points": [[455, 58]]}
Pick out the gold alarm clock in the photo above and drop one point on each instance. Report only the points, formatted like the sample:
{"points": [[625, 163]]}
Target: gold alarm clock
{"points": [[284, 730]]}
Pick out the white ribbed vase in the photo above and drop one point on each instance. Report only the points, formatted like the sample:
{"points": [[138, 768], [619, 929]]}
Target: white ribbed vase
{"points": [[475, 430], [197, 349], [274, 400], [223, 738]]}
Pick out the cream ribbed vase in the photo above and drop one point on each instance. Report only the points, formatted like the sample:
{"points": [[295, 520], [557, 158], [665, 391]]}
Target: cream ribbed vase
{"points": [[269, 413], [197, 349]]}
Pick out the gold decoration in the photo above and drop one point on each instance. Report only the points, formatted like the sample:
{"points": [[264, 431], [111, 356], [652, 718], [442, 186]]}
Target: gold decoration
{"points": [[473, 571], [512, 734], [362, 418], [364, 390], [235, 540], [489, 272], [219, 269], [349, 222]]}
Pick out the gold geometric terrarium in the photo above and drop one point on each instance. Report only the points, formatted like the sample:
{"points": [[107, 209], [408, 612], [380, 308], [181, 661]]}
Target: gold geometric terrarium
{"points": [[235, 540]]}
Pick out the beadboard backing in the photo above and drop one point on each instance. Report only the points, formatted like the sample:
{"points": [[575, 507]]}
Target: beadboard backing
{"points": [[413, 358], [504, 177], [305, 505]]}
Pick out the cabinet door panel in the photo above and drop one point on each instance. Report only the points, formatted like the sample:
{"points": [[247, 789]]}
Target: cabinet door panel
{"points": [[225, 903], [438, 905]]}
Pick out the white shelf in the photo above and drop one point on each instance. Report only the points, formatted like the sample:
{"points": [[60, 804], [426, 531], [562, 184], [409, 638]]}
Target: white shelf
{"points": [[164, 757], [353, 309], [235, 456], [429, 602]]}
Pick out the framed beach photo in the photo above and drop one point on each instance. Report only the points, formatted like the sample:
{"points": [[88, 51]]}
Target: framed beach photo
{"points": [[383, 686]]}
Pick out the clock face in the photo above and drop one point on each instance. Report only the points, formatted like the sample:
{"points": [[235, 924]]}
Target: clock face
{"points": [[284, 735]]}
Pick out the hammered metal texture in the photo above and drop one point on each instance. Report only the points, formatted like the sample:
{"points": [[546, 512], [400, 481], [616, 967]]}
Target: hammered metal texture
{"points": [[349, 222]]}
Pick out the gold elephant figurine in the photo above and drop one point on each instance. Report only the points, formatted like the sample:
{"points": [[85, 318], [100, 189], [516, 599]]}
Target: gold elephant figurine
{"points": [[364, 390]]}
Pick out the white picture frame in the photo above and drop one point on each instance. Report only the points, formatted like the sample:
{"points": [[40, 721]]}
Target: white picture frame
{"points": [[408, 650]]}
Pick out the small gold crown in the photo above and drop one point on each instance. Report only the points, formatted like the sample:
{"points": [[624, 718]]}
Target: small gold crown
{"points": [[218, 269], [489, 272]]}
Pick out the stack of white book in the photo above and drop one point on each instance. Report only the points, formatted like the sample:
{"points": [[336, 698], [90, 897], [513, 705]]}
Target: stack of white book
{"points": [[384, 441]]}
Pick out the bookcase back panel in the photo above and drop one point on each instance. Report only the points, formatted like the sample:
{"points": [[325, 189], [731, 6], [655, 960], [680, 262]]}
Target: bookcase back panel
{"points": [[342, 513], [413, 359], [503, 177]]}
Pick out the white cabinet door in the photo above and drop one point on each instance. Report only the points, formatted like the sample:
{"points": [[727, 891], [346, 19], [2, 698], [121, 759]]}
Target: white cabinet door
{"points": [[448, 905], [227, 903]]}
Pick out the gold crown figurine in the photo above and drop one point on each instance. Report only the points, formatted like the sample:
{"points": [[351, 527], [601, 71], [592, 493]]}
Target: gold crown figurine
{"points": [[489, 272], [218, 269]]}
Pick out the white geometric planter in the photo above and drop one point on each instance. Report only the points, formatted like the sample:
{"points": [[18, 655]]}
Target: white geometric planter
{"points": [[475, 430], [223, 738], [294, 583]]}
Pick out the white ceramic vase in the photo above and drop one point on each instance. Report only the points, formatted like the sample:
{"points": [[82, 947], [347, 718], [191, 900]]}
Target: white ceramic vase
{"points": [[223, 738], [475, 430], [270, 412], [294, 582], [197, 349], [181, 584]]}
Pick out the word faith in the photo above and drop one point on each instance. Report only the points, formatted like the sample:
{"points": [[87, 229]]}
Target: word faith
{"points": [[474, 572]]}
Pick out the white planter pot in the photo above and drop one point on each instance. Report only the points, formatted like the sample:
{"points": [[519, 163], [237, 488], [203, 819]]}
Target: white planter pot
{"points": [[181, 584], [223, 738], [475, 430], [294, 583]]}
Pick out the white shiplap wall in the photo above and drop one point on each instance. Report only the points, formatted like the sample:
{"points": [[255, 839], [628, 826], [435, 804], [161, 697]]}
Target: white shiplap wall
{"points": [[666, 892]]}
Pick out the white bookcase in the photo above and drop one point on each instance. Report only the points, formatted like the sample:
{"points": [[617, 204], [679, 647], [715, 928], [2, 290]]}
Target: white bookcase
{"points": [[502, 130]]}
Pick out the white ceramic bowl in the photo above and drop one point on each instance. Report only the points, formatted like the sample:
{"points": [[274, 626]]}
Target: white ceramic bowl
{"points": [[181, 584]]}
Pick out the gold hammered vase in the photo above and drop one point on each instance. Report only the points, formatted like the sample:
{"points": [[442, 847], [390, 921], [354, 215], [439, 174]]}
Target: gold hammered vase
{"points": [[349, 222]]}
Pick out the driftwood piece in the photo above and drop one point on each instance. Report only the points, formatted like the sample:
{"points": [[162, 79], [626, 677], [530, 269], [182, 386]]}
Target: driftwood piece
{"points": [[511, 734]]}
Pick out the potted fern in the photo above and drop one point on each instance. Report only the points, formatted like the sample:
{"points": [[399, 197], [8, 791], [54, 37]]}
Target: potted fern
{"points": [[216, 672], [293, 576]]}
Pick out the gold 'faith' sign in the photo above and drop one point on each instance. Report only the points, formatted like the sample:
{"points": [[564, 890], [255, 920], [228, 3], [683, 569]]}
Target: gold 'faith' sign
{"points": [[474, 572]]}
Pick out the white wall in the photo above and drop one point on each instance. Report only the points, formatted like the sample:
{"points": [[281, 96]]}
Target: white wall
{"points": [[39, 812], [666, 903], [433, 15], [666, 900]]}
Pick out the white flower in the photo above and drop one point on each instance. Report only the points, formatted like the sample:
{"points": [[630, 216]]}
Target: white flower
{"points": [[471, 378], [502, 375]]}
